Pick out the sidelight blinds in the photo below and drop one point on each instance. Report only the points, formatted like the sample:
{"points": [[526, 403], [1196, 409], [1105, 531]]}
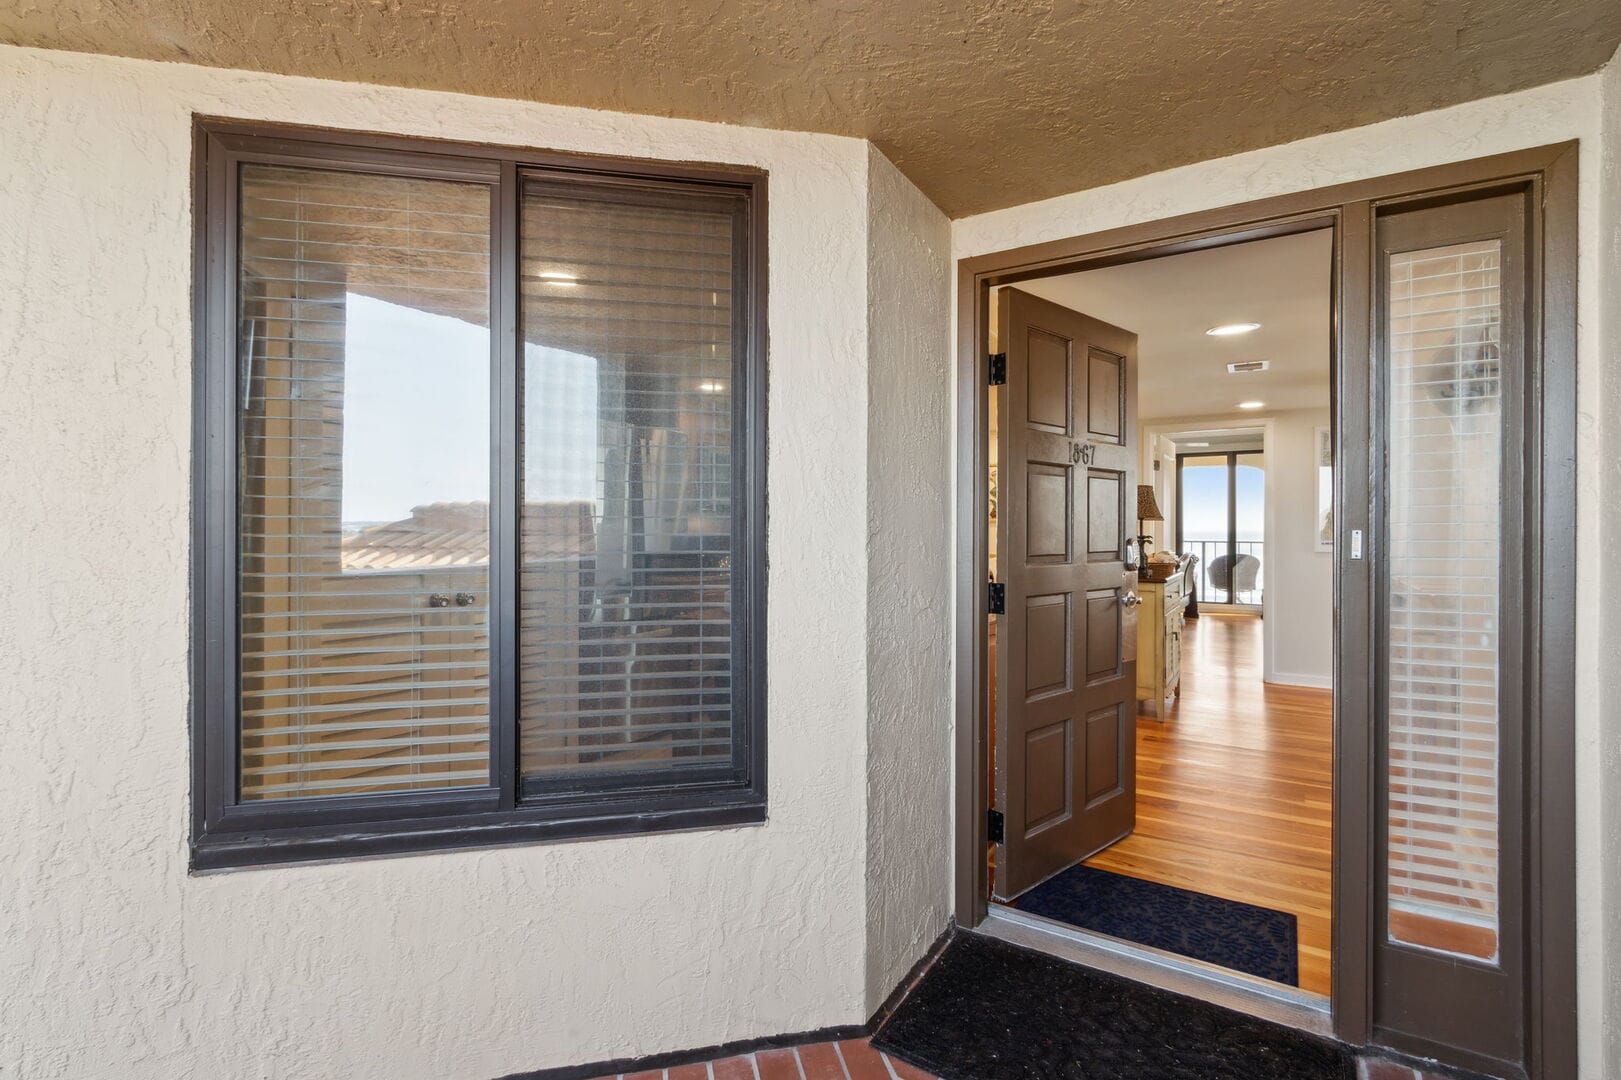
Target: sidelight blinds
{"points": [[1445, 444]]}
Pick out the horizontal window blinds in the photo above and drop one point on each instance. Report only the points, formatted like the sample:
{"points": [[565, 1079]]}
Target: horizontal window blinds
{"points": [[363, 483], [625, 620], [1445, 445]]}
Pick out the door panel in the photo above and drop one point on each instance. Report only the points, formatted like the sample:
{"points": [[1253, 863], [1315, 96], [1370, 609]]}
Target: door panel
{"points": [[1050, 379], [1048, 511], [1047, 636], [1104, 777], [1105, 396], [1102, 636], [1066, 671], [1450, 366], [1049, 754], [1105, 509]]}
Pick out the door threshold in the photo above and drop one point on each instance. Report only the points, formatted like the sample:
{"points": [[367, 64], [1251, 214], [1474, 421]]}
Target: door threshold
{"points": [[1217, 985]]}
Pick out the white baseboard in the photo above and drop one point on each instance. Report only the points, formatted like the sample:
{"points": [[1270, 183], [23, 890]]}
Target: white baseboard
{"points": [[1316, 682]]}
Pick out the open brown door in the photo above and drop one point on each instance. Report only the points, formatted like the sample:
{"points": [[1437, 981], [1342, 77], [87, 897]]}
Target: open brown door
{"points": [[1066, 668]]}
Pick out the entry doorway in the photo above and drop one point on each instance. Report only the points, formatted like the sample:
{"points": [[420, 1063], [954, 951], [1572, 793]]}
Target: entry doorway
{"points": [[1192, 815], [1496, 391]]}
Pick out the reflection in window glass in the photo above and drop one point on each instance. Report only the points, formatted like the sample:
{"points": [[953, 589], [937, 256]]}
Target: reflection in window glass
{"points": [[626, 603], [364, 355], [1445, 445]]}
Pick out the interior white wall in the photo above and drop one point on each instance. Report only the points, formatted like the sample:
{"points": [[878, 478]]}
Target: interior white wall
{"points": [[1160, 450], [1298, 604], [1300, 579], [115, 962], [1584, 109], [908, 574]]}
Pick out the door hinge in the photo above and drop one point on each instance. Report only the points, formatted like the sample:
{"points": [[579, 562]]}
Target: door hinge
{"points": [[996, 598], [998, 369], [995, 827]]}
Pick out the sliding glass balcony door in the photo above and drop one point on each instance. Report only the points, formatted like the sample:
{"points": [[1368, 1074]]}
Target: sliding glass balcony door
{"points": [[1221, 518]]}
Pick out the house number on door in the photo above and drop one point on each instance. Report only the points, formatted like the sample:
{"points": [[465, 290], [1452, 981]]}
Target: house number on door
{"points": [[1081, 453]]}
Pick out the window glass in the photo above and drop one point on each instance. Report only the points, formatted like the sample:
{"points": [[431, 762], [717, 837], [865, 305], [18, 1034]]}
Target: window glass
{"points": [[1445, 454], [364, 483], [480, 503], [625, 619]]}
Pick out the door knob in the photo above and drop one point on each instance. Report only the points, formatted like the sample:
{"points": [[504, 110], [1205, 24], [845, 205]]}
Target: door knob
{"points": [[1131, 599]]}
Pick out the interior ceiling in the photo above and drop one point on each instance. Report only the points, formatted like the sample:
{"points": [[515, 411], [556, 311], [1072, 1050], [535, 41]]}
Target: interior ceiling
{"points": [[1170, 302], [983, 103]]}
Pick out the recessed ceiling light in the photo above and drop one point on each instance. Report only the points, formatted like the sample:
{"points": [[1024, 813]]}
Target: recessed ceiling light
{"points": [[1229, 329], [1252, 404], [558, 277]]}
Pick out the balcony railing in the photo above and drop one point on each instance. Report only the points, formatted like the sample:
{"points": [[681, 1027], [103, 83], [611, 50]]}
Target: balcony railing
{"points": [[1248, 579]]}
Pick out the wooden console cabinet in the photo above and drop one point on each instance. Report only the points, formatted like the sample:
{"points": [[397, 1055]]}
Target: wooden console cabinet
{"points": [[1159, 641]]}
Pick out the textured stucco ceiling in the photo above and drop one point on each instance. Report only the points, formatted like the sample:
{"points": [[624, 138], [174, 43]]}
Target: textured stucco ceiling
{"points": [[984, 103]]}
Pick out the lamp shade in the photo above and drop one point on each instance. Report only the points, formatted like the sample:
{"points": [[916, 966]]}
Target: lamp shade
{"points": [[1147, 508]]}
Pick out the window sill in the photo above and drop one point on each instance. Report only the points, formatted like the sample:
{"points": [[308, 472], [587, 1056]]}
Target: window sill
{"points": [[213, 852]]}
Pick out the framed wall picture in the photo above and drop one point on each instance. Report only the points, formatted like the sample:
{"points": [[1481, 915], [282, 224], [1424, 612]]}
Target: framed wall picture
{"points": [[1325, 489]]}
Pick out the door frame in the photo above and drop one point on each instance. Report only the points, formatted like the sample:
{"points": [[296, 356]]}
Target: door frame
{"points": [[1549, 175]]}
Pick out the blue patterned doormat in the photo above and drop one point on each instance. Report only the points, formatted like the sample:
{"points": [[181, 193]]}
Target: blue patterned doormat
{"points": [[1243, 937]]}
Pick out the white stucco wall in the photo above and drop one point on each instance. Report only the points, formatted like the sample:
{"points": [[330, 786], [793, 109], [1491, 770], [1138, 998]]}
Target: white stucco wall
{"points": [[1548, 114], [908, 575], [113, 962], [1601, 982]]}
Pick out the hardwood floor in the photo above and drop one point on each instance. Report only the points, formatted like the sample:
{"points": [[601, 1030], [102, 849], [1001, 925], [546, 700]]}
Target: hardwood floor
{"points": [[1234, 788]]}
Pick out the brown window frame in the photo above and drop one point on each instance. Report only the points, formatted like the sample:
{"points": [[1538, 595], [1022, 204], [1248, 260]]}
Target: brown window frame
{"points": [[228, 833]]}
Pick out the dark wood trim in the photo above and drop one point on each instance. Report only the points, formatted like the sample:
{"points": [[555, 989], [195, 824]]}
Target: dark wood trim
{"points": [[1551, 686], [1350, 209], [1177, 538], [887, 1008], [971, 887], [264, 848], [1463, 1010], [506, 502], [1278, 215], [362, 146], [225, 833], [1355, 748]]}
